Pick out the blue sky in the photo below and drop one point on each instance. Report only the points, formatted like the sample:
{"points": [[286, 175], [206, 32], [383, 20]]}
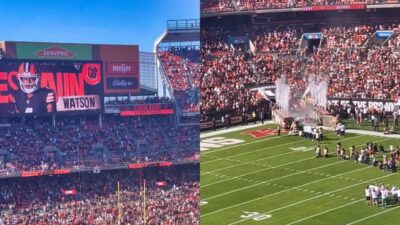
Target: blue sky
{"points": [[92, 21]]}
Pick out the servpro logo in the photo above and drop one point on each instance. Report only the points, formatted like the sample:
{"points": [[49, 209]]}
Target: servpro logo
{"points": [[55, 52]]}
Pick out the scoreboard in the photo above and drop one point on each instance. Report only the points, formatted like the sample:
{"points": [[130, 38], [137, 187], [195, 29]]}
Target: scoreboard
{"points": [[43, 87]]}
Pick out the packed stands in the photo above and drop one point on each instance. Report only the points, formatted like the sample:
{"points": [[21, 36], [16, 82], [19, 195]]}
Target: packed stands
{"points": [[181, 66], [215, 6], [224, 71], [278, 42], [354, 66], [178, 63], [87, 198], [81, 142], [175, 70], [195, 74], [26, 151]]}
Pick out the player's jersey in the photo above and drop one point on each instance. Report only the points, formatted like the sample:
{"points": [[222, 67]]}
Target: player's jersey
{"points": [[37, 103]]}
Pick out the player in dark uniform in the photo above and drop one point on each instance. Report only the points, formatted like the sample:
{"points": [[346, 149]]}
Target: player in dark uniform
{"points": [[31, 98]]}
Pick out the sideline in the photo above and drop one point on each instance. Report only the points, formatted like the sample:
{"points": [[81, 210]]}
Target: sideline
{"points": [[366, 132], [238, 128]]}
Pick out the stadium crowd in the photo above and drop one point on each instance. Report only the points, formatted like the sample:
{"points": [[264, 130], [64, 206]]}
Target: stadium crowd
{"points": [[181, 66], [224, 71], [354, 66], [175, 70], [171, 197], [38, 145], [178, 62], [217, 6]]}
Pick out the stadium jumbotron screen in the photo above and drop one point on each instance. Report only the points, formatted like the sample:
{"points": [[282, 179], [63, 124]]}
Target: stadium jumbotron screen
{"points": [[45, 87]]}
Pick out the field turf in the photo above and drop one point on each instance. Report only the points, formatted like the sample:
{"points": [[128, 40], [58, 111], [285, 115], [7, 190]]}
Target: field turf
{"points": [[277, 180]]}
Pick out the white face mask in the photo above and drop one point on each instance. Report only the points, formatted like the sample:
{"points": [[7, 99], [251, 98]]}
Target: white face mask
{"points": [[28, 82]]}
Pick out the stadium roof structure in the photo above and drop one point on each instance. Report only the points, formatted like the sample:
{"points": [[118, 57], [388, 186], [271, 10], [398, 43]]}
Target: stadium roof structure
{"points": [[179, 31]]}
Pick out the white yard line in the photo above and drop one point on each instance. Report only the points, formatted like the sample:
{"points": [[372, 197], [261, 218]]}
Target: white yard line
{"points": [[373, 215], [366, 132], [264, 182], [257, 141], [298, 203], [235, 177], [261, 149], [280, 192], [247, 162], [256, 199], [230, 130], [250, 152], [265, 169], [287, 206], [326, 211]]}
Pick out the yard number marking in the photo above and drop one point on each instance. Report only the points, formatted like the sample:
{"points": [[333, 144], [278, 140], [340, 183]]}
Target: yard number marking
{"points": [[203, 203], [255, 216], [218, 142], [303, 149]]}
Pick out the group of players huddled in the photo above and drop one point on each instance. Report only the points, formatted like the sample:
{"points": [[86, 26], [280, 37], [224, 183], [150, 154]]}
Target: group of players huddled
{"points": [[370, 154], [376, 195]]}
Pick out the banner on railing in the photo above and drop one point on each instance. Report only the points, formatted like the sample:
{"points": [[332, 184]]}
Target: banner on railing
{"points": [[334, 7], [386, 104]]}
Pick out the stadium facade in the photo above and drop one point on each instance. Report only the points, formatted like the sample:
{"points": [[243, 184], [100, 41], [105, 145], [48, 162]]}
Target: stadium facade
{"points": [[179, 46]]}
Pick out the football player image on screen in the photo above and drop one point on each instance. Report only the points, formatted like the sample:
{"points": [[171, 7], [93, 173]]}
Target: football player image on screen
{"points": [[31, 98]]}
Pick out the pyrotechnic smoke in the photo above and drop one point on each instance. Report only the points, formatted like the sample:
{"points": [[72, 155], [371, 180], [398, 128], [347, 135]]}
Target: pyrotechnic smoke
{"points": [[302, 107]]}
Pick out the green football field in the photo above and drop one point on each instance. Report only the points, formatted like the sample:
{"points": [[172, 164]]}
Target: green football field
{"points": [[277, 180]]}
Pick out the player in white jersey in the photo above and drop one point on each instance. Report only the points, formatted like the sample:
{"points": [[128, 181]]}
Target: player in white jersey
{"points": [[374, 195], [385, 194], [394, 194], [368, 195]]}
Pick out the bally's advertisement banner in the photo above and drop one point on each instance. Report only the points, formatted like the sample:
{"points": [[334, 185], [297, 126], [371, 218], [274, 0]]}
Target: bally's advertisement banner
{"points": [[44, 87]]}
